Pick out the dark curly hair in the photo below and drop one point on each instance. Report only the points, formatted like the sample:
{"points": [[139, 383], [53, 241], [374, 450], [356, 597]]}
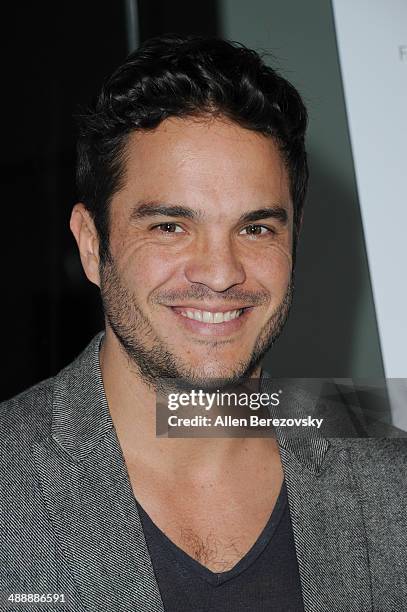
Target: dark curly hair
{"points": [[181, 76]]}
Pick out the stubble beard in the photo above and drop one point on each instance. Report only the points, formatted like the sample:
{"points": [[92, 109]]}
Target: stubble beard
{"points": [[151, 355]]}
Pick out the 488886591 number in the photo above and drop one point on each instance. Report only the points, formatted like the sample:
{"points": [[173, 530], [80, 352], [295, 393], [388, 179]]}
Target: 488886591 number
{"points": [[11, 600]]}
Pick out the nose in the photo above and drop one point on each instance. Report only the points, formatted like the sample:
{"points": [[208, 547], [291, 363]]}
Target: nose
{"points": [[215, 263]]}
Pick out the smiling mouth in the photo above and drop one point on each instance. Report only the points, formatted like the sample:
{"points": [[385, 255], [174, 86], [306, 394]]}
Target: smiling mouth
{"points": [[205, 316]]}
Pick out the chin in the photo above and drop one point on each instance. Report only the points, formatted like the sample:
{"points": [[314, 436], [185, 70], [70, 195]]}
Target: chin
{"points": [[226, 371]]}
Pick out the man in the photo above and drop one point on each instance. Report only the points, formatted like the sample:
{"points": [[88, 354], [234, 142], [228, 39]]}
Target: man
{"points": [[192, 175]]}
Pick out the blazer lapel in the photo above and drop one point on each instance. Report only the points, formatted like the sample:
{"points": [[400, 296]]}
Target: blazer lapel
{"points": [[89, 497], [325, 509], [329, 533]]}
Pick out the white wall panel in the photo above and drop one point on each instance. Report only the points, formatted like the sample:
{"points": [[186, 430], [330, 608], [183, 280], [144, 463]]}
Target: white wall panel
{"points": [[372, 42]]}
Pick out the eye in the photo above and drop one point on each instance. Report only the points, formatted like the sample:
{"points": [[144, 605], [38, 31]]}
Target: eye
{"points": [[168, 228], [256, 230]]}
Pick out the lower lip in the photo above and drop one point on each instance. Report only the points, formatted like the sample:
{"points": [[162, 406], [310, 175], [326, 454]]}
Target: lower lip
{"points": [[213, 329]]}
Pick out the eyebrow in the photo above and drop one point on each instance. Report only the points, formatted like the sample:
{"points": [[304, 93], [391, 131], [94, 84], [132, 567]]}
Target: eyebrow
{"points": [[155, 209], [271, 212]]}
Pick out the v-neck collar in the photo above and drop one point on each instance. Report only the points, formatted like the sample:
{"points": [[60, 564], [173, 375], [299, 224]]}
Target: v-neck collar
{"points": [[218, 578]]}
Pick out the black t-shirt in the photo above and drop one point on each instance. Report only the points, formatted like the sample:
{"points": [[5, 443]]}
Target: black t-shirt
{"points": [[265, 579]]}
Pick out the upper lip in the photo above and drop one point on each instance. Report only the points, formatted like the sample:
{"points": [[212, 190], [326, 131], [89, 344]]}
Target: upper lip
{"points": [[208, 308]]}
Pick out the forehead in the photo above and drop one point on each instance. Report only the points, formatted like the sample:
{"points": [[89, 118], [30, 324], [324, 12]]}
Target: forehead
{"points": [[205, 162]]}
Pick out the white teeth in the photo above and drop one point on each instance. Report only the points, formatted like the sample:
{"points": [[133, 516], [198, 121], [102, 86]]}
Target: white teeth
{"points": [[207, 317], [218, 317], [211, 317]]}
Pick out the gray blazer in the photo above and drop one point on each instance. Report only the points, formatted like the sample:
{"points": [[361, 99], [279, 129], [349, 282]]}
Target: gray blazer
{"points": [[69, 522]]}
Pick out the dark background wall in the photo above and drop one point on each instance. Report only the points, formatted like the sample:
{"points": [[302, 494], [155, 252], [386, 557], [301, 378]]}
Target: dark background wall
{"points": [[55, 57]]}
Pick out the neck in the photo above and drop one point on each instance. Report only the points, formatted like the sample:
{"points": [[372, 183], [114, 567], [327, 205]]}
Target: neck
{"points": [[132, 405]]}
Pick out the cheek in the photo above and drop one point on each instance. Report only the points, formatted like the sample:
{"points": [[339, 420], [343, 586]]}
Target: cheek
{"points": [[144, 265], [272, 267]]}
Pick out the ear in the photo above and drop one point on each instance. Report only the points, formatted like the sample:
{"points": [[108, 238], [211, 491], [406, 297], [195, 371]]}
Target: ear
{"points": [[86, 236]]}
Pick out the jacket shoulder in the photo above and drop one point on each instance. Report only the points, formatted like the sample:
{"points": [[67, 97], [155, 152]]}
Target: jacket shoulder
{"points": [[380, 451], [379, 465], [27, 417]]}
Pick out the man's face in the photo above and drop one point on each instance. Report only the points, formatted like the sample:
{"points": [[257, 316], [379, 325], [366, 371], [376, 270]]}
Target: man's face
{"points": [[201, 245]]}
